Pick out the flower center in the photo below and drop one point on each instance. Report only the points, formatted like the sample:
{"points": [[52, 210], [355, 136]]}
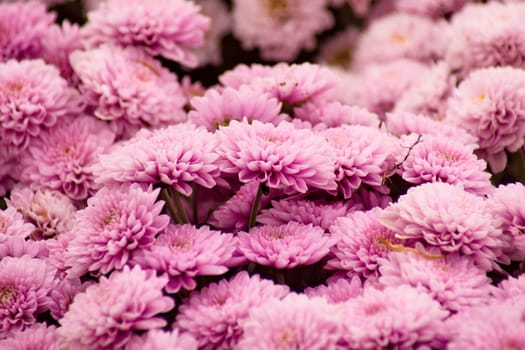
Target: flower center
{"points": [[111, 218], [13, 88], [399, 38], [145, 71], [286, 339], [341, 57], [277, 235], [180, 243], [7, 294]]}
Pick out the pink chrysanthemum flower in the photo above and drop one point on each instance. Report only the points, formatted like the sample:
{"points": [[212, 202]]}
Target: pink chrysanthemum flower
{"points": [[117, 222], [438, 159], [178, 156], [62, 158], [400, 123], [280, 29], [60, 42], [305, 212], [128, 88], [210, 51], [56, 252], [489, 104], [365, 156], [285, 246], [24, 286], [279, 156], [429, 95], [337, 291], [17, 246], [510, 288], [159, 340], [445, 216], [453, 281], [339, 49], [401, 35], [24, 27], [12, 223], [394, 318], [107, 313], [430, 8], [362, 241], [366, 199], [485, 35], [33, 98], [295, 322], [184, 252], [334, 113], [63, 294], [215, 314], [51, 212], [217, 108], [169, 28], [39, 336], [507, 204], [496, 326]]}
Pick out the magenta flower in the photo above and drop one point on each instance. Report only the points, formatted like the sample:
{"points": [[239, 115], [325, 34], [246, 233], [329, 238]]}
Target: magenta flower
{"points": [[219, 108], [60, 42], [159, 340], [362, 242], [215, 314], [210, 51], [285, 246], [56, 252], [337, 51], [279, 156], [489, 105], [178, 155], [12, 223], [337, 291], [24, 286], [107, 313], [117, 222], [295, 322], [128, 88], [510, 288], [184, 252], [62, 158], [430, 8], [33, 98], [24, 27], [169, 28], [63, 294], [438, 159], [447, 217], [394, 318], [334, 114], [280, 29], [17, 246], [38, 336]]}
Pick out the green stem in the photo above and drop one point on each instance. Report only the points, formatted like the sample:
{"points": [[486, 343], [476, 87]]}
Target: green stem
{"points": [[255, 206], [179, 208], [165, 194]]}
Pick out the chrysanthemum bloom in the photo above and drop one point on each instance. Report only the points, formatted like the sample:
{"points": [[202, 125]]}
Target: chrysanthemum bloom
{"points": [[62, 296], [444, 216], [365, 156], [17, 246], [128, 88], [215, 314], [184, 252], [159, 340], [296, 322], [33, 98], [430, 8], [118, 221], [334, 113], [362, 241], [12, 223], [510, 288], [366, 199], [210, 51], [168, 28], [453, 281], [429, 95], [24, 27], [38, 336], [178, 156], [56, 252], [485, 35], [338, 290], [285, 246], [305, 212], [394, 318], [339, 49], [292, 84], [60, 42], [401, 123], [497, 326], [438, 159], [50, 211], [278, 156], [61, 159], [507, 204], [489, 104], [280, 29], [218, 108], [383, 84], [24, 286], [401, 35], [107, 313]]}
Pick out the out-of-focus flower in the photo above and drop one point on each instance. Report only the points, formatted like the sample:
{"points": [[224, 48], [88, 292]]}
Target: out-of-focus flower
{"points": [[63, 294], [107, 313], [337, 291], [334, 113], [510, 288], [210, 51], [430, 8], [17, 246], [12, 223], [169, 28], [338, 51], [60, 42], [159, 340], [215, 314], [38, 336], [118, 221]]}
